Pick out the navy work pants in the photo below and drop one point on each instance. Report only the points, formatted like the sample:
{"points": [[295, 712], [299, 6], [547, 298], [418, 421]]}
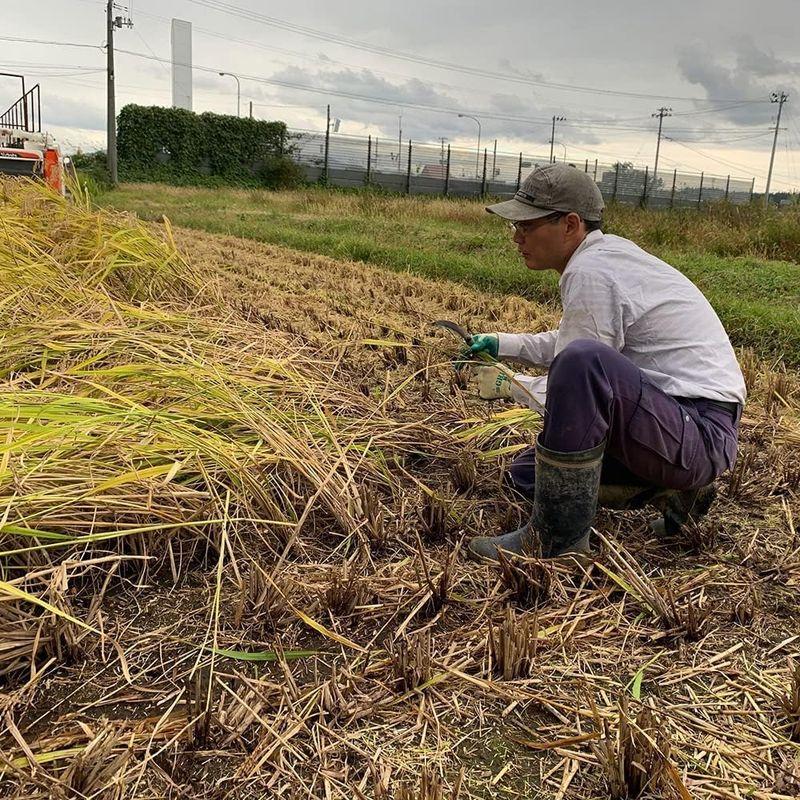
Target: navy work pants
{"points": [[595, 394]]}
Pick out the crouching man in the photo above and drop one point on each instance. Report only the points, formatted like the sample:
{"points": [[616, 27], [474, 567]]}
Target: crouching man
{"points": [[643, 390]]}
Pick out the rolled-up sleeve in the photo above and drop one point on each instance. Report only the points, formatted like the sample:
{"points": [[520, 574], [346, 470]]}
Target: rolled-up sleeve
{"points": [[531, 391]]}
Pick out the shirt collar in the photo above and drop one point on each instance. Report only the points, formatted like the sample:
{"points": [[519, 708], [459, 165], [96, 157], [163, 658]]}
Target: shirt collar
{"points": [[590, 239]]}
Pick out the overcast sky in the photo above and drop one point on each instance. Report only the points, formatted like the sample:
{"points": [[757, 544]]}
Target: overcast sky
{"points": [[714, 62]]}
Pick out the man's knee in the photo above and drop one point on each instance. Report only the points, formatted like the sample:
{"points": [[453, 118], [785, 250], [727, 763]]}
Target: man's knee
{"points": [[584, 351], [580, 357]]}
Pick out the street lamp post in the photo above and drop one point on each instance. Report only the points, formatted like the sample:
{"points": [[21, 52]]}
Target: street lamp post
{"points": [[478, 154], [565, 150], [238, 91]]}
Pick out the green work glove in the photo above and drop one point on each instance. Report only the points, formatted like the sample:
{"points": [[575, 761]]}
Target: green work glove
{"points": [[484, 343], [488, 343], [493, 381]]}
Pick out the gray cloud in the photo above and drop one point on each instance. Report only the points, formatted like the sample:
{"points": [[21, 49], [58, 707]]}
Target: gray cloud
{"points": [[420, 123], [755, 61], [509, 104], [69, 113], [400, 98], [365, 82], [521, 72], [744, 78]]}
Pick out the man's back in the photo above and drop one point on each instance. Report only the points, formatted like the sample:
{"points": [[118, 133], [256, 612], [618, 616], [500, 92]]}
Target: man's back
{"points": [[619, 294]]}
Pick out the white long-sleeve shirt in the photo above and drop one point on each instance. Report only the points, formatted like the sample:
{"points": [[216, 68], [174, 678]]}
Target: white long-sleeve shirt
{"points": [[616, 293]]}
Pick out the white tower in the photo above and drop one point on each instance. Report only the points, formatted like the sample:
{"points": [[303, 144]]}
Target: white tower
{"points": [[181, 64]]}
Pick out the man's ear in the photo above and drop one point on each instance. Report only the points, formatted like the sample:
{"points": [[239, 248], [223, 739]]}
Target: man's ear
{"points": [[574, 223]]}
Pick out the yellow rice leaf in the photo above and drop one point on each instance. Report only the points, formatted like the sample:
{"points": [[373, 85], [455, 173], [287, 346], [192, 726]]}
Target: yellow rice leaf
{"points": [[173, 471], [556, 743], [23, 530], [139, 475], [683, 792], [385, 343], [501, 451], [621, 582], [7, 451], [320, 628], [62, 540], [30, 598], [43, 758]]}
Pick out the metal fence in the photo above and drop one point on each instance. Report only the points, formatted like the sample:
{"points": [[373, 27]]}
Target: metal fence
{"points": [[419, 168]]}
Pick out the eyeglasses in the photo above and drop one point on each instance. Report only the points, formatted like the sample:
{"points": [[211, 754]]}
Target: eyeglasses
{"points": [[528, 225]]}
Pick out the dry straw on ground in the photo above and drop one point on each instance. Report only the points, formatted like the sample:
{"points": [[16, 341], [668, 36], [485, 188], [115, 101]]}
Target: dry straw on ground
{"points": [[235, 484]]}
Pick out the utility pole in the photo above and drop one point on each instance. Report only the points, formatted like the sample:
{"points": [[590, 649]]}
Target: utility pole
{"points": [[661, 113], [780, 98], [553, 136], [399, 141], [442, 140], [112, 22], [327, 139]]}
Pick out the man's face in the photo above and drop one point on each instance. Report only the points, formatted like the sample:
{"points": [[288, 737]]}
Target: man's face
{"points": [[541, 242]]}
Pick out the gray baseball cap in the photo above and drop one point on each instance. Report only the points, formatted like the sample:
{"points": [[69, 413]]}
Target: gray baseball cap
{"points": [[554, 187]]}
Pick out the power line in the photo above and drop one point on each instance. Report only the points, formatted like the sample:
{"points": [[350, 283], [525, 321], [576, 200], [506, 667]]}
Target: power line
{"points": [[51, 42], [152, 52], [748, 137], [394, 102], [606, 124], [299, 54], [70, 74], [794, 136], [391, 102], [251, 16], [313, 58], [610, 156], [38, 64], [699, 112], [723, 161], [207, 94]]}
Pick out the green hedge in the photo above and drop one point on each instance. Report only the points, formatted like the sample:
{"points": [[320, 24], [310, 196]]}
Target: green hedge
{"points": [[174, 145]]}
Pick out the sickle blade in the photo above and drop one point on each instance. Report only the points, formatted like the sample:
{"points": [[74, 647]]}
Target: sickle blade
{"points": [[455, 328]]}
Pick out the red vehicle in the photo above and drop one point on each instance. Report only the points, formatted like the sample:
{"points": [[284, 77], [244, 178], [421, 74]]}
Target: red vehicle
{"points": [[24, 148]]}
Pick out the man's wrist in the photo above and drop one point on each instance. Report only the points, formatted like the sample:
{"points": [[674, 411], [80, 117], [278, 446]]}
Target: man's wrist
{"points": [[508, 345]]}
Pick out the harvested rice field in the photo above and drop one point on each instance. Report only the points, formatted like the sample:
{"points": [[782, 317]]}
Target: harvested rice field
{"points": [[236, 481]]}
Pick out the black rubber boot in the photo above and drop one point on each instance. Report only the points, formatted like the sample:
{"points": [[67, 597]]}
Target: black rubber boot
{"points": [[564, 504], [682, 507], [521, 542]]}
